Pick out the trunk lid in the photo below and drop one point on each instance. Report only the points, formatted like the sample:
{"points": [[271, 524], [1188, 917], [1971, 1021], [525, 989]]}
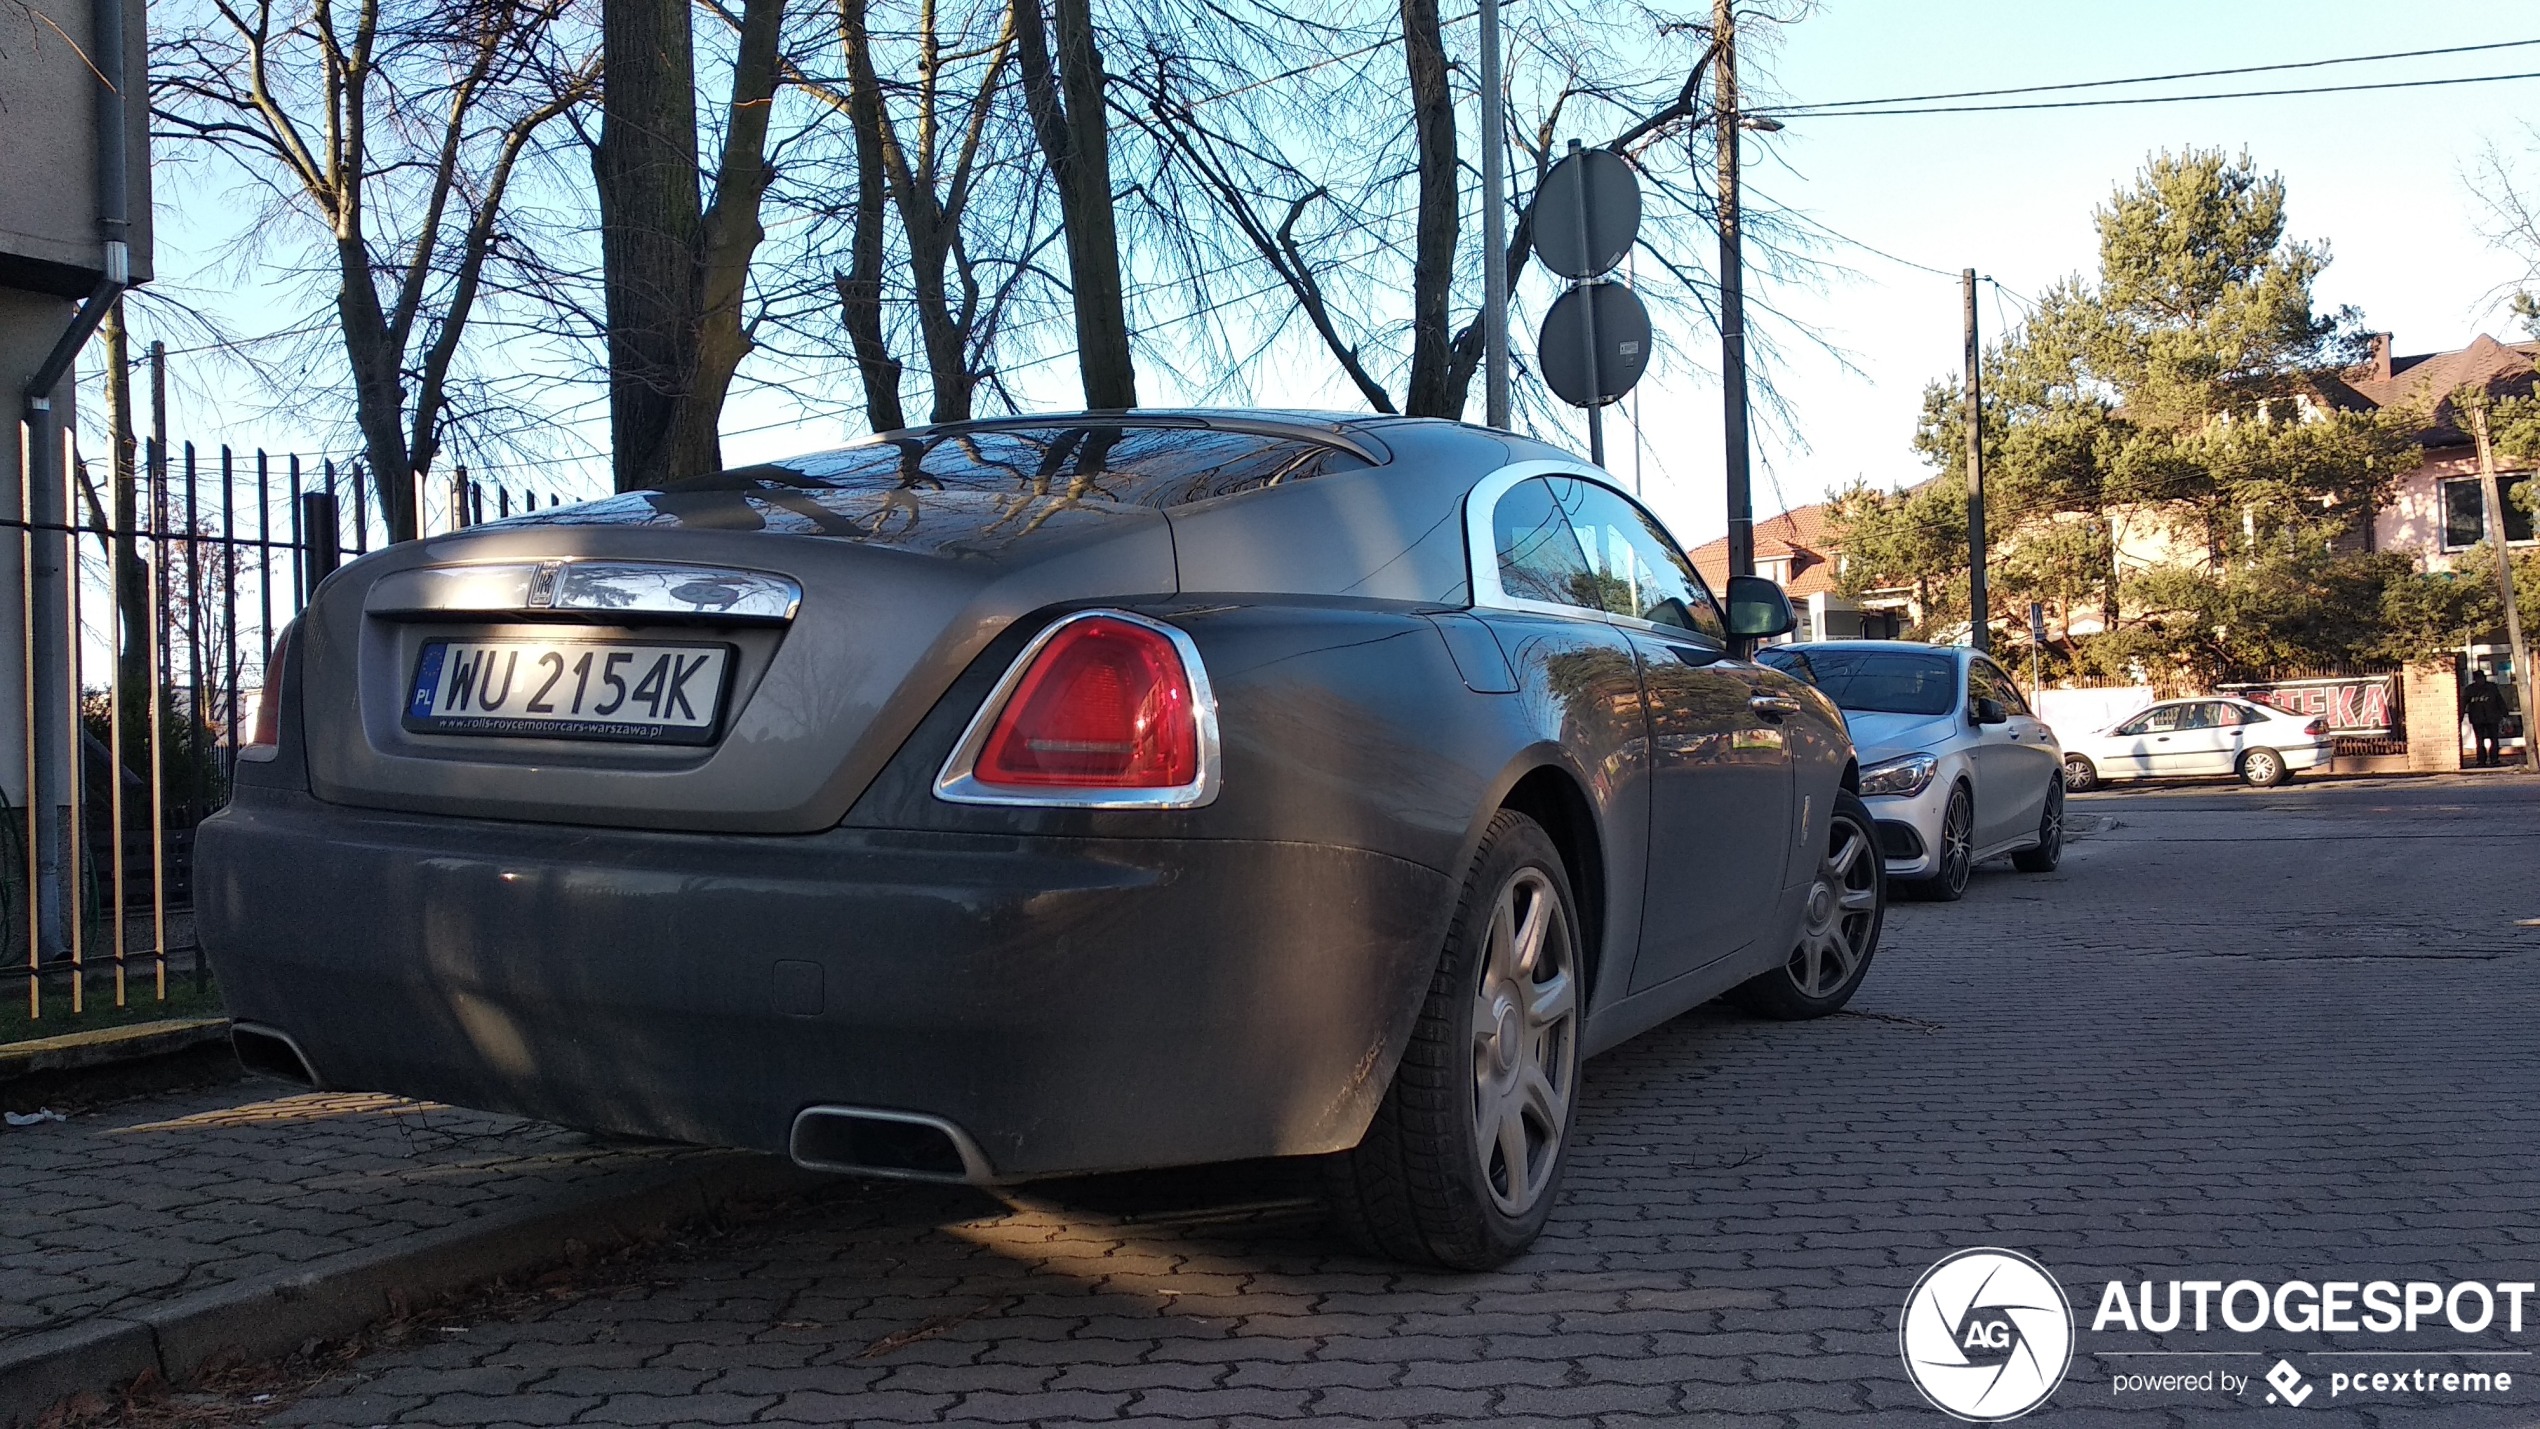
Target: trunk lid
{"points": [[897, 592]]}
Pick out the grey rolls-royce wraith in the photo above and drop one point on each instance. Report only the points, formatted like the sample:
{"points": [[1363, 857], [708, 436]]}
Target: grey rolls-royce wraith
{"points": [[1047, 795]]}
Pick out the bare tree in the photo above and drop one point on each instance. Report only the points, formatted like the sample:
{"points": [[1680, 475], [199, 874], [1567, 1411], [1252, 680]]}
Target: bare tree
{"points": [[931, 168], [677, 265], [1321, 159], [400, 127], [1071, 118]]}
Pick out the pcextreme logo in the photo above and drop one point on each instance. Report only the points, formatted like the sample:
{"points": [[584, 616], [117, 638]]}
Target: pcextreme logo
{"points": [[1987, 1335]]}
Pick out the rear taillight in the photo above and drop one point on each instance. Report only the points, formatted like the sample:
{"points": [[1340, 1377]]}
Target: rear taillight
{"points": [[1105, 709], [2316, 728], [264, 738]]}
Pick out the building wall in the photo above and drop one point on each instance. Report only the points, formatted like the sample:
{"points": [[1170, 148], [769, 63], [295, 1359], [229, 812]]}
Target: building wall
{"points": [[2413, 521], [48, 166], [29, 323]]}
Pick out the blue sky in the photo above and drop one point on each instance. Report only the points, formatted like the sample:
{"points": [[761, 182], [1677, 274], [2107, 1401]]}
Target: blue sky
{"points": [[2383, 178]]}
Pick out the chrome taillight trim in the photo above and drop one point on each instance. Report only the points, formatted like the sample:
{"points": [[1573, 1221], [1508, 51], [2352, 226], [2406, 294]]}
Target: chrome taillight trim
{"points": [[958, 782], [589, 589]]}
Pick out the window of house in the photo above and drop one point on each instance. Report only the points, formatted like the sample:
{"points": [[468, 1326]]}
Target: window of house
{"points": [[2465, 510]]}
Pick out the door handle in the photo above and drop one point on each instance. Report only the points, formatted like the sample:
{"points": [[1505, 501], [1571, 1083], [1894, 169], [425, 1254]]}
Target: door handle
{"points": [[1773, 706]]}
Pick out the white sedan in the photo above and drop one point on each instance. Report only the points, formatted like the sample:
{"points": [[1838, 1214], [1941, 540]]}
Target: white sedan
{"points": [[2212, 734]]}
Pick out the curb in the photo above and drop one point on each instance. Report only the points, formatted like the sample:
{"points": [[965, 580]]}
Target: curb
{"points": [[275, 1313], [75, 1050]]}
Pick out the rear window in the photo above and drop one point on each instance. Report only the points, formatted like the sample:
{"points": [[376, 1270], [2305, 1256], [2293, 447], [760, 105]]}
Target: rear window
{"points": [[1123, 465], [1875, 681]]}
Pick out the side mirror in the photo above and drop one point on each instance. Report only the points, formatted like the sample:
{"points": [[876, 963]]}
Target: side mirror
{"points": [[1989, 712], [1758, 610]]}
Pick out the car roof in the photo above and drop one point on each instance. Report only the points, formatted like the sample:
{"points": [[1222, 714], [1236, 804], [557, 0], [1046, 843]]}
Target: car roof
{"points": [[1375, 509]]}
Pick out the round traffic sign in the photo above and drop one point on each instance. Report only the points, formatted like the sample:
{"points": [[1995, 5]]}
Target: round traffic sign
{"points": [[1587, 213], [1622, 344]]}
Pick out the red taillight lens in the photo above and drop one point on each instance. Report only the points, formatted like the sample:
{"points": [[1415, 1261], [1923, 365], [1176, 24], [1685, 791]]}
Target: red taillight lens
{"points": [[1106, 705], [2316, 728]]}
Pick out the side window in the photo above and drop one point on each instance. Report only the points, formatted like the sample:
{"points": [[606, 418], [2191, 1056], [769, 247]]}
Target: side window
{"points": [[2158, 720], [2003, 689], [2206, 714], [1981, 685], [1539, 555], [1640, 573]]}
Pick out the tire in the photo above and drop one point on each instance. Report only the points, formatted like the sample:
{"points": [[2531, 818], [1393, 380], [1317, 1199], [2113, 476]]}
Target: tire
{"points": [[2262, 768], [1948, 883], [1462, 1163], [1838, 931], [2050, 836], [2080, 775]]}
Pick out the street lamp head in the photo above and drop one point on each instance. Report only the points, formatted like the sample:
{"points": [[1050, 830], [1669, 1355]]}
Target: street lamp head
{"points": [[1761, 123]]}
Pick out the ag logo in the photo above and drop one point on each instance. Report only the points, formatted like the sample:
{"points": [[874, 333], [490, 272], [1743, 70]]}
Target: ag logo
{"points": [[1987, 1335]]}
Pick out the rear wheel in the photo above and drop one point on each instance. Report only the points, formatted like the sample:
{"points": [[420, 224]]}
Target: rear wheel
{"points": [[1948, 880], [2080, 775], [1460, 1165], [2262, 768], [2050, 836], [1838, 931]]}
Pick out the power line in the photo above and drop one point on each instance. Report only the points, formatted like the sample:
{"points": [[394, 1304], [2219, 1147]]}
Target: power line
{"points": [[2165, 98], [1834, 104]]}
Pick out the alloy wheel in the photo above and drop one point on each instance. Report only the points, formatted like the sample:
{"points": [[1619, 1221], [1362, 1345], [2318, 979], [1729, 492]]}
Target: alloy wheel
{"points": [[1525, 1021], [2260, 768], [1957, 842], [2051, 832], [1837, 932]]}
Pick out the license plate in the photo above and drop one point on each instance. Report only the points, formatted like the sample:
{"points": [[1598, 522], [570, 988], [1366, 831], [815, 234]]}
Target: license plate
{"points": [[570, 689]]}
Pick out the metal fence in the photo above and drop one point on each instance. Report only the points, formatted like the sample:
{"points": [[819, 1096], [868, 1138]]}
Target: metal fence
{"points": [[171, 615]]}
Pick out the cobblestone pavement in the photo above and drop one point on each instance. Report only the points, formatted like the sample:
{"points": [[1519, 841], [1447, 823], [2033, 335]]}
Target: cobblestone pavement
{"points": [[2273, 1036], [137, 1205]]}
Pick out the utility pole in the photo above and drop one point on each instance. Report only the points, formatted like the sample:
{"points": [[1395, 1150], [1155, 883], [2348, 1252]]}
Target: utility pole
{"points": [[1979, 614], [2488, 489], [1587, 328], [1494, 231], [1725, 124]]}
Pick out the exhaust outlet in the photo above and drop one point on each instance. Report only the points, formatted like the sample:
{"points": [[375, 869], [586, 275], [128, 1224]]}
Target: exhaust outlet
{"points": [[905, 1146], [270, 1053]]}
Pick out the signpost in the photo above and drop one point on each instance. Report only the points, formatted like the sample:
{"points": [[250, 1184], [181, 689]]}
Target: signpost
{"points": [[1595, 341]]}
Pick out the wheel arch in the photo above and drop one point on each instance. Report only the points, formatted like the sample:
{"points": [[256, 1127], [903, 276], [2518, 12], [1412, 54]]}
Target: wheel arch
{"points": [[1551, 795]]}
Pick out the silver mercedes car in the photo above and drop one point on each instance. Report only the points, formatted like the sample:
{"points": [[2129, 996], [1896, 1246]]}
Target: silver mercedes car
{"points": [[1954, 765]]}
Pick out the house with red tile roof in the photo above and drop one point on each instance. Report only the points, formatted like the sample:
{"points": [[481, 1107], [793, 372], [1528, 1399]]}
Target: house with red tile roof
{"points": [[1798, 550]]}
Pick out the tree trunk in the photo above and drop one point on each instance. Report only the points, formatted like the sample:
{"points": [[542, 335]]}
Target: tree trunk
{"points": [[650, 224], [1433, 244], [1069, 117], [379, 394], [860, 287], [729, 236], [131, 576]]}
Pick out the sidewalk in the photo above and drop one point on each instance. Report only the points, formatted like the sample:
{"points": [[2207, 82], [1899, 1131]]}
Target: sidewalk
{"points": [[250, 1216]]}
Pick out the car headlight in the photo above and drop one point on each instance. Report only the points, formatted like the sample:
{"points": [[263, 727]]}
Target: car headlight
{"points": [[1904, 777]]}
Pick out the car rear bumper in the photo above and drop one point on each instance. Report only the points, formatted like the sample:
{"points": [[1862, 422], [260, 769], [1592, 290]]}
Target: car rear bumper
{"points": [[1063, 1004]]}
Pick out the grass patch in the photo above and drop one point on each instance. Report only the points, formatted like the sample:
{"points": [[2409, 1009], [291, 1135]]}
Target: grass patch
{"points": [[99, 1010]]}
